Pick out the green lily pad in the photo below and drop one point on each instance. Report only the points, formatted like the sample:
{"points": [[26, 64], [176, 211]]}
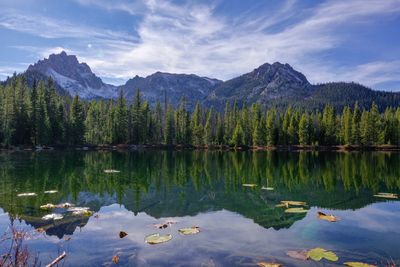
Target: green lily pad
{"points": [[319, 253], [295, 210], [358, 264], [157, 239], [190, 231]]}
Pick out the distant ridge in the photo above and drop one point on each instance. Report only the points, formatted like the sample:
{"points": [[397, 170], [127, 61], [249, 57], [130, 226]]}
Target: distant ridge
{"points": [[274, 84]]}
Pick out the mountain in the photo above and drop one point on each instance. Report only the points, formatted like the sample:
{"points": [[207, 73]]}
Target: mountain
{"points": [[274, 84], [265, 83], [280, 85], [159, 85], [71, 76]]}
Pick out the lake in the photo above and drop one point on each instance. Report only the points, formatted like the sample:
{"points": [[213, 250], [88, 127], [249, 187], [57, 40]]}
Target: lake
{"points": [[239, 225]]}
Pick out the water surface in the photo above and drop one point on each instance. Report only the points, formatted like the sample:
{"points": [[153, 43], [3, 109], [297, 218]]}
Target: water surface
{"points": [[239, 226]]}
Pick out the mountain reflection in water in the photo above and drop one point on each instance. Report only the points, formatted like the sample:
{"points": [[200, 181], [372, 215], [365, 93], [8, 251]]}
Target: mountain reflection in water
{"points": [[198, 184]]}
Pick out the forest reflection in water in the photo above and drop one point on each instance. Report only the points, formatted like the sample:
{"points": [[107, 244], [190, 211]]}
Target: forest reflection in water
{"points": [[177, 184]]}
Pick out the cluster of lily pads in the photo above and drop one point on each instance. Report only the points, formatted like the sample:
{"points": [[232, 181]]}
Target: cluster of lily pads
{"points": [[158, 238], [315, 254], [75, 211], [68, 207]]}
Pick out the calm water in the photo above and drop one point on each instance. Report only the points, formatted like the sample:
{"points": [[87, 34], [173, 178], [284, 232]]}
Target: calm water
{"points": [[240, 226]]}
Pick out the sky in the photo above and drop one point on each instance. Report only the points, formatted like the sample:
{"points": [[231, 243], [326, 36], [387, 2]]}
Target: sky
{"points": [[338, 40]]}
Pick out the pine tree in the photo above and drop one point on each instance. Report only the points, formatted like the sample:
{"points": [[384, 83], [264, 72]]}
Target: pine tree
{"points": [[305, 130], [76, 121], [355, 126], [197, 126], [169, 130], [121, 120], [345, 126], [238, 135]]}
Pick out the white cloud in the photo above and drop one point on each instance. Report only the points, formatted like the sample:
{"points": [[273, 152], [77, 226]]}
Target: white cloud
{"points": [[193, 38]]}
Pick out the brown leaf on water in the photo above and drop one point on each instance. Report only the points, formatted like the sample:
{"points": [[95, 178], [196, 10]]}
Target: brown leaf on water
{"points": [[161, 225], [115, 259], [328, 217], [269, 264], [40, 230], [298, 255], [122, 234]]}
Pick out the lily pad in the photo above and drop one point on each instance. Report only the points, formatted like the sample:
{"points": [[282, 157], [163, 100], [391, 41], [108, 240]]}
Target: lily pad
{"points": [[157, 239], [53, 216], [267, 188], [296, 210], [48, 206], [82, 213], [358, 264], [294, 203], [50, 192], [249, 185], [298, 255], [387, 195], [27, 195], [78, 209], [269, 264], [112, 171], [329, 218], [318, 254], [190, 231]]}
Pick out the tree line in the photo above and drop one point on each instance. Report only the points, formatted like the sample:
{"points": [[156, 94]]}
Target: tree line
{"points": [[40, 116]]}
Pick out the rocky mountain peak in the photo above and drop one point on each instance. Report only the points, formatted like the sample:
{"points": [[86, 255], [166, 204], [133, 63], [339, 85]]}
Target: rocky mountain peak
{"points": [[74, 77]]}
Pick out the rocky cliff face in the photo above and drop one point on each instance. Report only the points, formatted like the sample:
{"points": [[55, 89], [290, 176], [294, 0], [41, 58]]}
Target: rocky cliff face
{"points": [[267, 82], [73, 77], [174, 86]]}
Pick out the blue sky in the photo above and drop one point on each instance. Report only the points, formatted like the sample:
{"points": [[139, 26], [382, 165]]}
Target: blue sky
{"points": [[339, 40]]}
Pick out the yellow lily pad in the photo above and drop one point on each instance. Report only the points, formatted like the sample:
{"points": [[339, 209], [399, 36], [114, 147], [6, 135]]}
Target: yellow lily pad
{"points": [[329, 218], [318, 254], [387, 195], [157, 239], [296, 210], [294, 203], [358, 264], [269, 264], [282, 205], [249, 185], [48, 206], [190, 231]]}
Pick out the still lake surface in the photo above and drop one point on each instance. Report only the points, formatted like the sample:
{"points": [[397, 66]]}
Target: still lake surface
{"points": [[240, 226]]}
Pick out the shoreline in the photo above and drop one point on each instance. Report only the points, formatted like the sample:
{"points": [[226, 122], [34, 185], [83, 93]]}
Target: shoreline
{"points": [[127, 147]]}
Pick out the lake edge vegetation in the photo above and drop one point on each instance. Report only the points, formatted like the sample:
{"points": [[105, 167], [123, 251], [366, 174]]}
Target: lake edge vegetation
{"points": [[39, 116]]}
